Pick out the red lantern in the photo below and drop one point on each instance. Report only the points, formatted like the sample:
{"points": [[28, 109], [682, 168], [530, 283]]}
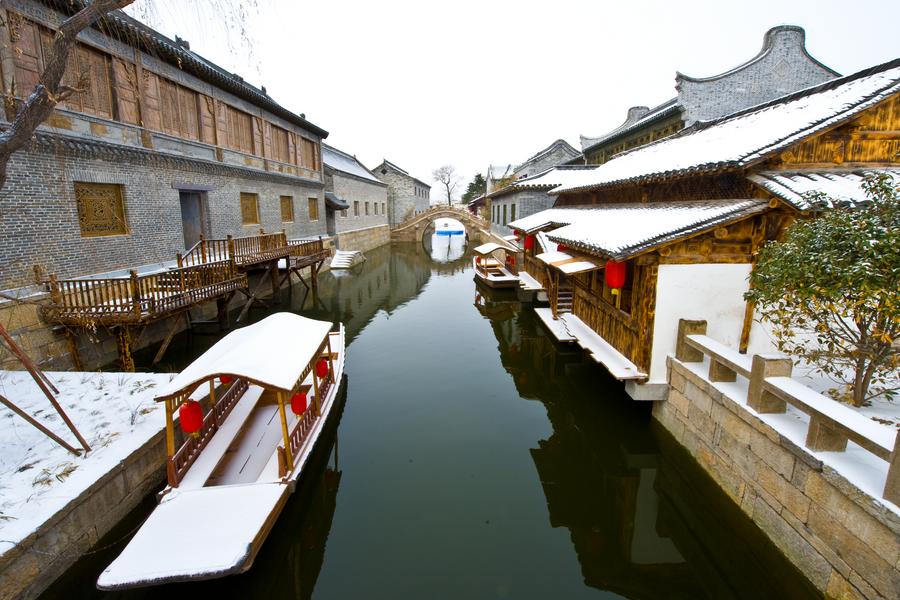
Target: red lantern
{"points": [[225, 379], [615, 274], [477, 260], [561, 248], [529, 242], [190, 415], [299, 403], [322, 368]]}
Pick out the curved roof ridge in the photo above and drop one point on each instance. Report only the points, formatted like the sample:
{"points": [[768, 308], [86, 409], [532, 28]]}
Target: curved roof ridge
{"points": [[768, 43]]}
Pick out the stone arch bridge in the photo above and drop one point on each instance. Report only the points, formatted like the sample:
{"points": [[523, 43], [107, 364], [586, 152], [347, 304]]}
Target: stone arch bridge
{"points": [[413, 229]]}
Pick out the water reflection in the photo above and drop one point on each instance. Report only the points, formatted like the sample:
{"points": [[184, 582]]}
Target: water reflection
{"points": [[445, 248], [634, 514]]}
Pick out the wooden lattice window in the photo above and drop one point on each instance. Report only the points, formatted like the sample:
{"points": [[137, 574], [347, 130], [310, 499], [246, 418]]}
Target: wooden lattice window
{"points": [[240, 130], [249, 208], [281, 149], [101, 209], [179, 110], [356, 208], [287, 209], [313, 209], [309, 154], [87, 69]]}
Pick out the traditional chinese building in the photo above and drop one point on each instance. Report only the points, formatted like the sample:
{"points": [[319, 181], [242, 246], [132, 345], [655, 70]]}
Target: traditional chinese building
{"points": [[669, 231], [407, 196], [783, 65], [356, 205]]}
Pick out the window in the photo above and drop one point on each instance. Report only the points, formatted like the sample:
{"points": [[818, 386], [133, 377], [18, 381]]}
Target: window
{"points": [[249, 208], [356, 208], [287, 209], [313, 209], [101, 209], [281, 150], [86, 69], [504, 214], [179, 110], [309, 154], [383, 210], [512, 213], [367, 209], [376, 208], [240, 130]]}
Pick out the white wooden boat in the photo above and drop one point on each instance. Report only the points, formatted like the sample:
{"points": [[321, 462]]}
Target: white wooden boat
{"points": [[347, 259], [495, 265], [265, 393]]}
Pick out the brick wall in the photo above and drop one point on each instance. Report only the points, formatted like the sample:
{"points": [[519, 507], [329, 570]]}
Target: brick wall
{"points": [[527, 202], [401, 195], [353, 190], [846, 542]]}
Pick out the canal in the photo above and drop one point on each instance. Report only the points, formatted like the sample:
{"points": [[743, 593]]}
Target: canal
{"points": [[475, 458]]}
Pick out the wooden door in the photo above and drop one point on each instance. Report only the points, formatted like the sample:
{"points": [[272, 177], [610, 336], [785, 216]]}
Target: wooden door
{"points": [[191, 217], [329, 220]]}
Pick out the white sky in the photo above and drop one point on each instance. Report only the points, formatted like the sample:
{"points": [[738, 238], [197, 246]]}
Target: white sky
{"points": [[473, 83]]}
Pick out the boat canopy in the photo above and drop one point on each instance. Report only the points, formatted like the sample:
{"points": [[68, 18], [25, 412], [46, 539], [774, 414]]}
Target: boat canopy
{"points": [[491, 247], [273, 353]]}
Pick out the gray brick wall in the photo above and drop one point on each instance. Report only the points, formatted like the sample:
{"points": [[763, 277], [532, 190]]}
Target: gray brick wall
{"points": [[353, 190], [783, 66], [405, 195], [39, 219], [527, 202]]}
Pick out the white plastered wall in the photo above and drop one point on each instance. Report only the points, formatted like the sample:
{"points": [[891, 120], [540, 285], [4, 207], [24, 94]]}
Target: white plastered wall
{"points": [[710, 292]]}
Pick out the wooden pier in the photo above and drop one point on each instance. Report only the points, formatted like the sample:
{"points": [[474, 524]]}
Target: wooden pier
{"points": [[213, 269]]}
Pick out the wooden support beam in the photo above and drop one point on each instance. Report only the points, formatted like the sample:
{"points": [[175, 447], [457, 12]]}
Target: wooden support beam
{"points": [[285, 433], [173, 329], [38, 424], [123, 341]]}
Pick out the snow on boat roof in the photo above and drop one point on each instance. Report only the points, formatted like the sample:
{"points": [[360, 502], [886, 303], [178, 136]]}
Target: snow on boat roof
{"points": [[272, 353], [548, 217], [793, 187], [620, 231], [747, 136], [490, 247]]}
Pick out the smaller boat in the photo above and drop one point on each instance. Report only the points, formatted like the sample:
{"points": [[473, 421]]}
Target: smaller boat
{"points": [[495, 265], [347, 259], [448, 227], [250, 411]]}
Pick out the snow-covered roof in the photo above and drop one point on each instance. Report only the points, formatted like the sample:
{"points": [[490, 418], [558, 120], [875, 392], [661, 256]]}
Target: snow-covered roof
{"points": [[619, 231], [490, 247], [346, 163], [272, 353], [793, 187], [746, 137], [551, 178], [547, 218], [638, 116]]}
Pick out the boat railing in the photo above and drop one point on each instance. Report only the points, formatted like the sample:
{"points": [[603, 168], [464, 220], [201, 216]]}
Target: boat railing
{"points": [[302, 428], [179, 463]]}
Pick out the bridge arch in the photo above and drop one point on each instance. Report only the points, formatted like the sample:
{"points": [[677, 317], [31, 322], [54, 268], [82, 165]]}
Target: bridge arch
{"points": [[414, 228]]}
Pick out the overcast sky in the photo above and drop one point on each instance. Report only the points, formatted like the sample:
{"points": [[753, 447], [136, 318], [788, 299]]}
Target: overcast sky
{"points": [[492, 82]]}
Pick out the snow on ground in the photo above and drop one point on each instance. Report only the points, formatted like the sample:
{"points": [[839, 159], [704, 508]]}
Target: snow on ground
{"points": [[880, 408], [115, 413]]}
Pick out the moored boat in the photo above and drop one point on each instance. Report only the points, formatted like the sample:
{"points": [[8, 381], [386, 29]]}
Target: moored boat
{"points": [[251, 409], [495, 265]]}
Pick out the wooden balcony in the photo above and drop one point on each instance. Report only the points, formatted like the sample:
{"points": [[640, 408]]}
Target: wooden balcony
{"points": [[247, 252], [139, 299]]}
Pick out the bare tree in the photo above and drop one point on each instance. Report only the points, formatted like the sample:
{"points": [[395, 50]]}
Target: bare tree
{"points": [[447, 177], [49, 92]]}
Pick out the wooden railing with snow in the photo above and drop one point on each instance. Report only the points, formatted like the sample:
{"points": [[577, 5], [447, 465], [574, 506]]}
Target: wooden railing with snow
{"points": [[244, 251], [306, 252], [136, 298], [178, 464], [771, 389]]}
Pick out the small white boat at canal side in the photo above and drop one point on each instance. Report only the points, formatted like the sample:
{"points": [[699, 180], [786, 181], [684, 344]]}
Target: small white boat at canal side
{"points": [[495, 265], [251, 409], [347, 259]]}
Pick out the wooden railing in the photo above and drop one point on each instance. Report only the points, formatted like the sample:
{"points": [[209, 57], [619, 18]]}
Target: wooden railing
{"points": [[771, 389], [139, 297], [303, 426], [178, 464], [244, 251]]}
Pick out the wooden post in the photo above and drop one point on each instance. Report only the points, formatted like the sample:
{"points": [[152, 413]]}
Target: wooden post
{"points": [[135, 293], [764, 366], [212, 400], [229, 241], [203, 248], [824, 434], [684, 351], [315, 379], [171, 475], [123, 340], [55, 295], [179, 260], [284, 431], [330, 359], [892, 483], [73, 350], [37, 424]]}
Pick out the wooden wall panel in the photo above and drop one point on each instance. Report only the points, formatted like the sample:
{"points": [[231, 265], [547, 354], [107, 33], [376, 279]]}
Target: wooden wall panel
{"points": [[125, 86], [27, 55], [207, 119], [151, 112]]}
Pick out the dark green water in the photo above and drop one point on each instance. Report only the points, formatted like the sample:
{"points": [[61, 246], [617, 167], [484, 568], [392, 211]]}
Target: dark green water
{"points": [[475, 458]]}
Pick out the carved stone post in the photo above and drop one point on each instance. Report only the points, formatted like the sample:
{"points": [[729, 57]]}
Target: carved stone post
{"points": [[765, 366], [684, 351]]}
